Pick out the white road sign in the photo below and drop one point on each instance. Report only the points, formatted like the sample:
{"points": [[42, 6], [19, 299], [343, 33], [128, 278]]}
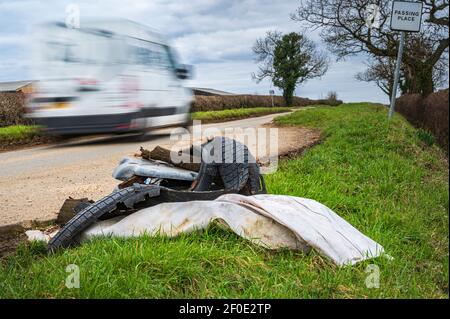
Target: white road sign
{"points": [[406, 16]]}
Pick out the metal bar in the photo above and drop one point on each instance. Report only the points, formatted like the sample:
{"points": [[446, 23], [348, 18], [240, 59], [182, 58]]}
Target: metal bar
{"points": [[397, 74]]}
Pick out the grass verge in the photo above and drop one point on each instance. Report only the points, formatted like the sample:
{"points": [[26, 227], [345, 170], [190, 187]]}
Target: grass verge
{"points": [[17, 132], [377, 175], [19, 135], [235, 114]]}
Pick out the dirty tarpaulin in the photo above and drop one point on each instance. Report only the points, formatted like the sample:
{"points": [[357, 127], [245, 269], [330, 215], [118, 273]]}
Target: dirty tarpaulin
{"points": [[273, 221]]}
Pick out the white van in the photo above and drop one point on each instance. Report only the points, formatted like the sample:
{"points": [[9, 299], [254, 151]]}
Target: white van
{"points": [[108, 76]]}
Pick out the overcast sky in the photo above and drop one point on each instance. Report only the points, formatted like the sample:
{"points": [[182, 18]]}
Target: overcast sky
{"points": [[216, 36]]}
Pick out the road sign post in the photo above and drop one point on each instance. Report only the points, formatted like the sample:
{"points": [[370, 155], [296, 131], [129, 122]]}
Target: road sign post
{"points": [[397, 74], [405, 17]]}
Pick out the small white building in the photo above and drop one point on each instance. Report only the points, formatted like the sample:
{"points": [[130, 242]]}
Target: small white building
{"points": [[17, 86]]}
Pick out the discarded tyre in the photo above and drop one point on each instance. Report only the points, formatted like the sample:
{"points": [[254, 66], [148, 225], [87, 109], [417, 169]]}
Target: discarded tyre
{"points": [[232, 165], [126, 197], [226, 167]]}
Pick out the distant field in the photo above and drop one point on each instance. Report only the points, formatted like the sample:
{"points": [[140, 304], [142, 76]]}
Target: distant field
{"points": [[379, 176]]}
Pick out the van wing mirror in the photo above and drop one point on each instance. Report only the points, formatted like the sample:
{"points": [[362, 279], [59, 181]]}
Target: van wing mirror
{"points": [[184, 71]]}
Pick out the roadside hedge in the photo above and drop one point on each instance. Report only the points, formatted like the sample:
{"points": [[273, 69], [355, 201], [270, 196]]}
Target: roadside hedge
{"points": [[429, 113], [225, 102], [12, 108]]}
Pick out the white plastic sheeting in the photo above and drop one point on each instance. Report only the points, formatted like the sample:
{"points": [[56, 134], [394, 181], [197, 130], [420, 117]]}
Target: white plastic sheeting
{"points": [[273, 221]]}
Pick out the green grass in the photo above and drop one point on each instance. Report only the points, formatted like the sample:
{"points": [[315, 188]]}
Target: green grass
{"points": [[426, 137], [377, 175], [234, 114], [16, 133]]}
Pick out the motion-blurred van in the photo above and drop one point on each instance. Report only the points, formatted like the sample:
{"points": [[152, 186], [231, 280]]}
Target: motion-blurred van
{"points": [[109, 76]]}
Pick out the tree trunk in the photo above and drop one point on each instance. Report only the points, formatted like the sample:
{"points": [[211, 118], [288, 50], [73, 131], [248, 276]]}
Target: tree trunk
{"points": [[427, 84], [288, 94]]}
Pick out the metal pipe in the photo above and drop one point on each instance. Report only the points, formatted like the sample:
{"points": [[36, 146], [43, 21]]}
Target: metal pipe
{"points": [[397, 74]]}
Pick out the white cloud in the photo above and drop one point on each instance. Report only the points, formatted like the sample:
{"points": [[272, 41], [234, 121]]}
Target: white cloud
{"points": [[218, 45]]}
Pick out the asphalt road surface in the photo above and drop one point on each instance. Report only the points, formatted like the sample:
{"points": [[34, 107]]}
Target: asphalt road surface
{"points": [[35, 182]]}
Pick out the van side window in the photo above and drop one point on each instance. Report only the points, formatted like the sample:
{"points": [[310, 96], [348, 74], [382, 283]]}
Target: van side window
{"points": [[141, 56], [160, 59], [159, 56], [156, 57], [60, 51], [152, 55], [163, 62], [165, 59]]}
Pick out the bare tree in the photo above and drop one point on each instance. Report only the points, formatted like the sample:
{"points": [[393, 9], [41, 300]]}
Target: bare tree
{"points": [[264, 49], [346, 29], [381, 72]]}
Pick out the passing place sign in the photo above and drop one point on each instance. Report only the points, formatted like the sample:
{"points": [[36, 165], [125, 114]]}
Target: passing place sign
{"points": [[406, 16]]}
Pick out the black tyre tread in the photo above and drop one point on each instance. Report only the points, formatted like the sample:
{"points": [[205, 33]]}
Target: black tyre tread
{"points": [[235, 163], [206, 175], [208, 172], [254, 179], [87, 216]]}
